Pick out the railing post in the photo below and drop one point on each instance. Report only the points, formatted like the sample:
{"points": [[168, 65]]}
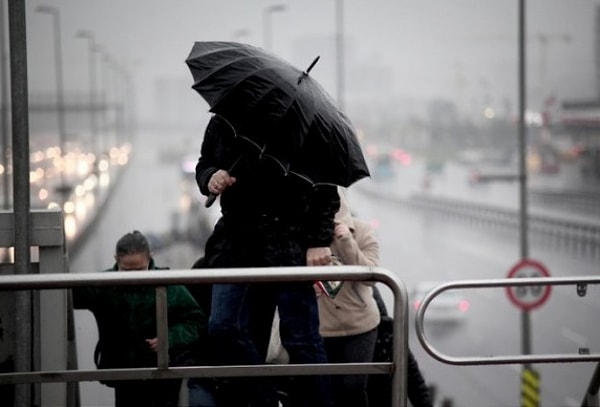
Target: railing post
{"points": [[162, 328], [399, 379]]}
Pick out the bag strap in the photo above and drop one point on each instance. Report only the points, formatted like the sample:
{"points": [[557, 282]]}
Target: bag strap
{"points": [[379, 300]]}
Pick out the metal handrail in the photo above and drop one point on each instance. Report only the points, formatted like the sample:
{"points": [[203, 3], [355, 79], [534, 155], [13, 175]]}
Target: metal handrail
{"points": [[498, 360], [159, 279]]}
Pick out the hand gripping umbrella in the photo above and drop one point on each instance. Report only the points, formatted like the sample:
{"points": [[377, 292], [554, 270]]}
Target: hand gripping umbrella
{"points": [[284, 113]]}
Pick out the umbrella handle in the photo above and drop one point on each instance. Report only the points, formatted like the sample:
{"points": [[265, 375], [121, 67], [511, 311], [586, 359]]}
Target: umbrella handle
{"points": [[212, 197], [210, 200]]}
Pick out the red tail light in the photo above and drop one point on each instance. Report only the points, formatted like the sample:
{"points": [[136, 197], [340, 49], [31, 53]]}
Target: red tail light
{"points": [[463, 305]]}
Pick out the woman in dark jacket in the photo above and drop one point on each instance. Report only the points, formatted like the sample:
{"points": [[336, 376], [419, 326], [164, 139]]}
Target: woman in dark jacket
{"points": [[126, 318], [269, 219]]}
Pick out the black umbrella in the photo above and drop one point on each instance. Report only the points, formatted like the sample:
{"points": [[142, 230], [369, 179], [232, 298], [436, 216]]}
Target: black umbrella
{"points": [[284, 113]]}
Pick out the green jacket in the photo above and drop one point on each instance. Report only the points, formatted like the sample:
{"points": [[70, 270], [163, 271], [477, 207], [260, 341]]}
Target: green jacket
{"points": [[126, 317]]}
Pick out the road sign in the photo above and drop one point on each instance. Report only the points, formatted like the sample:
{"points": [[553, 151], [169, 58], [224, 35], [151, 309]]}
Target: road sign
{"points": [[530, 296]]}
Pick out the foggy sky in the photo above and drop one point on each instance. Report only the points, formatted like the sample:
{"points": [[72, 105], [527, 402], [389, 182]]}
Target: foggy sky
{"points": [[463, 50]]}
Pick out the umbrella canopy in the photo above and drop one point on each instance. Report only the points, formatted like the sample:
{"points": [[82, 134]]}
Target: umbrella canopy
{"points": [[282, 112]]}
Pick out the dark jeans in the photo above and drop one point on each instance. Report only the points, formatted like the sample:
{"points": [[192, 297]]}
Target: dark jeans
{"points": [[201, 393], [238, 309], [148, 393], [351, 390]]}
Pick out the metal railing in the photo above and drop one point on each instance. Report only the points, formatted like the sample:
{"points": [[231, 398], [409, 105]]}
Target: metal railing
{"points": [[397, 368], [575, 235], [580, 282]]}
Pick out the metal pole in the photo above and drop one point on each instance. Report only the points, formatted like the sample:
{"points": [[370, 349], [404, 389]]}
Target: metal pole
{"points": [[526, 345], [339, 42], [110, 100], [118, 102], [525, 317], [60, 104], [522, 134], [89, 37], [267, 34], [4, 109], [102, 98], [162, 328], [21, 199], [129, 110]]}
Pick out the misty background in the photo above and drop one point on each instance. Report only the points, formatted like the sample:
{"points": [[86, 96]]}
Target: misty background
{"points": [[399, 56], [426, 83]]}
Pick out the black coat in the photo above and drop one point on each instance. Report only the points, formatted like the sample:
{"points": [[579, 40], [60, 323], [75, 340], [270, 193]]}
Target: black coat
{"points": [[269, 219]]}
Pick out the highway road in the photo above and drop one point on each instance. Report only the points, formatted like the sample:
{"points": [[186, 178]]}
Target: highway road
{"points": [[421, 248]]}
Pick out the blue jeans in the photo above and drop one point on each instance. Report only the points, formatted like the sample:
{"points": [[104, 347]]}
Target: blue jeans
{"points": [[240, 315], [201, 393]]}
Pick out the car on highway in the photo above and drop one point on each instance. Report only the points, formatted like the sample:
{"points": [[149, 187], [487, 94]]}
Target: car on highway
{"points": [[383, 167], [448, 307]]}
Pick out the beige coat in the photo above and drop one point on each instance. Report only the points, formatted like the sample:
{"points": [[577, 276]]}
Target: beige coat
{"points": [[353, 310]]}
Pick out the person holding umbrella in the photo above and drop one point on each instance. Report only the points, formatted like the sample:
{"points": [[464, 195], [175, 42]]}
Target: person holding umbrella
{"points": [[268, 220], [274, 153]]}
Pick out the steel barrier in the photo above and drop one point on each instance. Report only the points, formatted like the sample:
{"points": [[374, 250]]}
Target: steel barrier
{"points": [[397, 368], [580, 283]]}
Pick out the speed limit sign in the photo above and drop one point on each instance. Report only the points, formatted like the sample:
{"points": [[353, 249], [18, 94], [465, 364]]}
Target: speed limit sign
{"points": [[530, 296]]}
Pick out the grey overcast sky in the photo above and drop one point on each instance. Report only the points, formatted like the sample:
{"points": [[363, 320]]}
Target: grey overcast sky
{"points": [[429, 48]]}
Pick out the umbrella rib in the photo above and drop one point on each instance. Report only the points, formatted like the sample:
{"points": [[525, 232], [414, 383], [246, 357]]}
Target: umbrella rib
{"points": [[254, 143], [285, 168]]}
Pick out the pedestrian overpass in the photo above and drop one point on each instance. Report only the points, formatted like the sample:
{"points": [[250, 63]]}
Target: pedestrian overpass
{"points": [[38, 315]]}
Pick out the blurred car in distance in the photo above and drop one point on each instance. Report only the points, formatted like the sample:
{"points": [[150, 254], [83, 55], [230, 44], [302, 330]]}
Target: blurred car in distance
{"points": [[383, 167], [448, 307]]}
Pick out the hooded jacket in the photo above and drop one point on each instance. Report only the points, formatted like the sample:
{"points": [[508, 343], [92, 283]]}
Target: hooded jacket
{"points": [[126, 317], [353, 310]]}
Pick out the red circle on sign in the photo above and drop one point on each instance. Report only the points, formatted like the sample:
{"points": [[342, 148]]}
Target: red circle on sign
{"points": [[539, 270]]}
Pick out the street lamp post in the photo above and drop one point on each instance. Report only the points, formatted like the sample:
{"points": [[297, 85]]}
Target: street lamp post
{"points": [[127, 96], [119, 102], [103, 99], [89, 37], [268, 11], [63, 190]]}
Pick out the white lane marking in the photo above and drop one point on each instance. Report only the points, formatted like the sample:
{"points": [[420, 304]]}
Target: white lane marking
{"points": [[573, 336]]}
